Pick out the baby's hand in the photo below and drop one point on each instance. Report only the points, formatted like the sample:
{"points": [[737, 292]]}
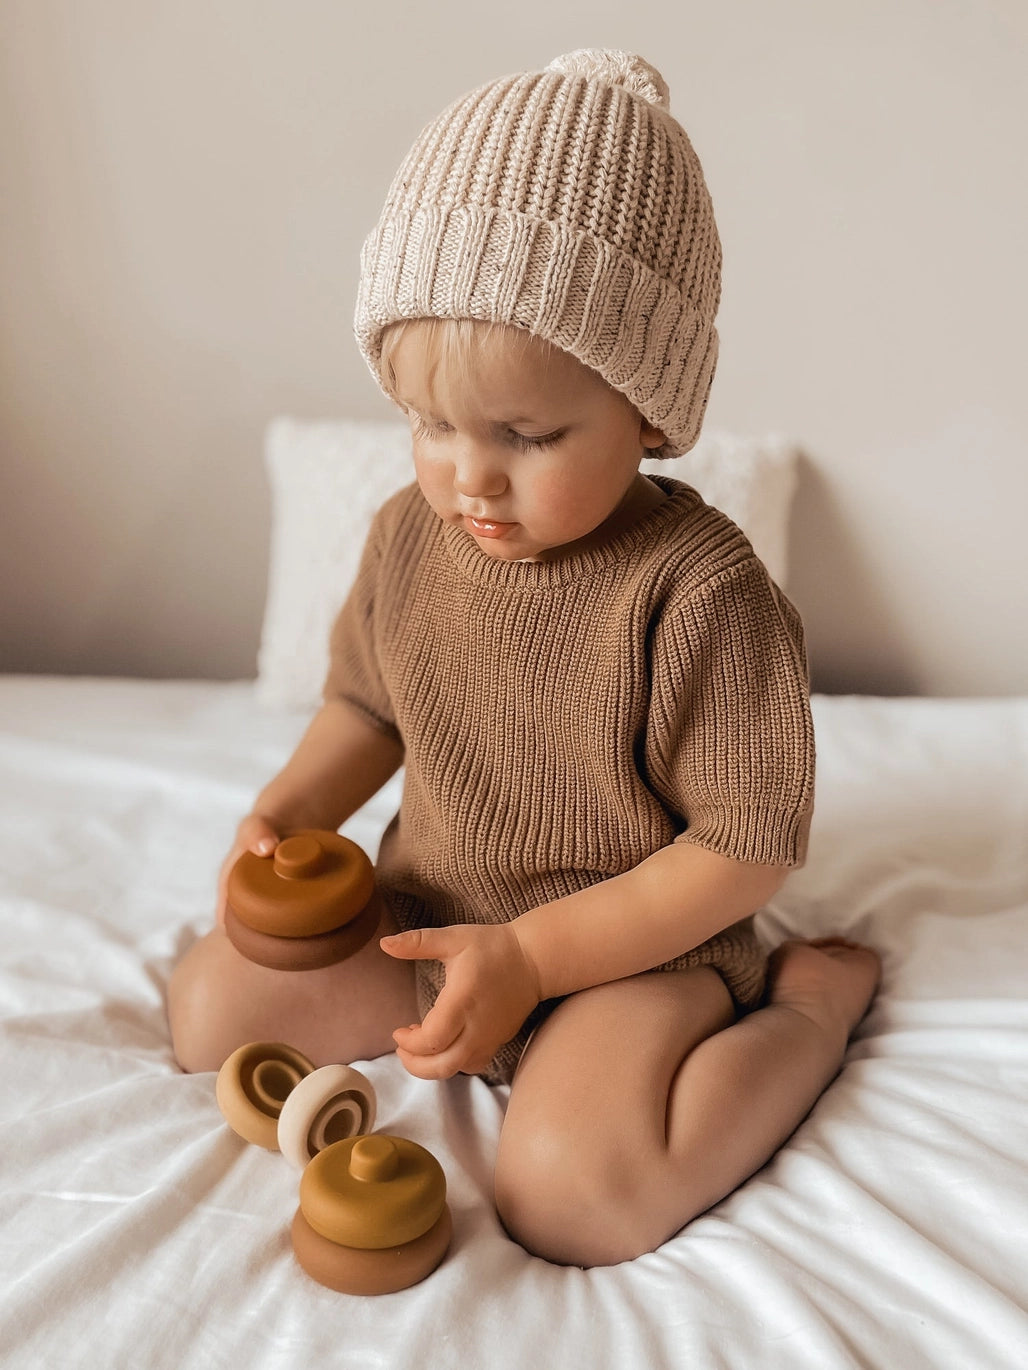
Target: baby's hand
{"points": [[491, 988], [255, 834]]}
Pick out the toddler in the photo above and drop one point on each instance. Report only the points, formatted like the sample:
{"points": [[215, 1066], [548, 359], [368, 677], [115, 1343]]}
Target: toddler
{"points": [[599, 698]]}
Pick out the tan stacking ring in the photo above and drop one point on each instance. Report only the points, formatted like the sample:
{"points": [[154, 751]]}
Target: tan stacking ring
{"points": [[351, 1270], [330, 1105], [253, 1085], [315, 881], [373, 1192]]}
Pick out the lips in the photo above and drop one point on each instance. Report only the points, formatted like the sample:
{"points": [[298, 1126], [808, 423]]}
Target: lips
{"points": [[487, 528]]}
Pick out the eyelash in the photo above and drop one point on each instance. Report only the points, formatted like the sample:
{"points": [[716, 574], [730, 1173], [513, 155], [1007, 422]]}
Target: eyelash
{"points": [[535, 444], [422, 429]]}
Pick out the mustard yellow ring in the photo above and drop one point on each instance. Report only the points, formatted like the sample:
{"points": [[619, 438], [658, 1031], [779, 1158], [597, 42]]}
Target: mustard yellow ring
{"points": [[373, 1191], [252, 1086]]}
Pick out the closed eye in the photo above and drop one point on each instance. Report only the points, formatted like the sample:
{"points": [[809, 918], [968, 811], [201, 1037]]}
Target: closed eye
{"points": [[528, 443], [421, 428], [524, 442]]}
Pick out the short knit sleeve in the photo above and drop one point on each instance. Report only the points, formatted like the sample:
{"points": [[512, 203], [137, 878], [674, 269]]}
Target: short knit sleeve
{"points": [[354, 673], [731, 744]]}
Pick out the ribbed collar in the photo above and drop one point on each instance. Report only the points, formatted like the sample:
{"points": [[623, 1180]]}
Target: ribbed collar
{"points": [[561, 571]]}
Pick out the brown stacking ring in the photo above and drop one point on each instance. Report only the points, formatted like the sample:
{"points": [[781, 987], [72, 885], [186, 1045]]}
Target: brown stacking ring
{"points": [[309, 905], [382, 1270], [304, 953]]}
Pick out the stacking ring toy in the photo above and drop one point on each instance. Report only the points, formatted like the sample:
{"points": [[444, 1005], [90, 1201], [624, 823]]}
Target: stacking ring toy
{"points": [[373, 1216], [311, 904], [327, 1106], [253, 1085], [303, 953]]}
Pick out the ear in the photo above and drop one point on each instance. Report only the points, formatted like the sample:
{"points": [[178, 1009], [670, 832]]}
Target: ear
{"points": [[649, 436]]}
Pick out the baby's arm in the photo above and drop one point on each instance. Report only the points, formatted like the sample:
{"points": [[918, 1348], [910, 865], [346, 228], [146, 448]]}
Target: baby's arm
{"points": [[339, 763], [674, 900], [495, 976]]}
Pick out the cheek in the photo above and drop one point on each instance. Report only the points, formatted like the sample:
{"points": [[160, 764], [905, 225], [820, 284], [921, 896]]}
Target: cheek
{"points": [[577, 492], [557, 489], [432, 476]]}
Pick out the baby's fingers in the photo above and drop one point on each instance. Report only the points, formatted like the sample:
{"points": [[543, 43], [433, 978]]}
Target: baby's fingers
{"points": [[441, 1067], [436, 1034], [254, 834], [421, 944], [257, 835]]}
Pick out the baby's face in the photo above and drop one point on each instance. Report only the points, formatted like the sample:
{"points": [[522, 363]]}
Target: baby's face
{"points": [[530, 453]]}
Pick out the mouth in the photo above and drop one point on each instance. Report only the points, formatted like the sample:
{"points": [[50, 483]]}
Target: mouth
{"points": [[487, 528]]}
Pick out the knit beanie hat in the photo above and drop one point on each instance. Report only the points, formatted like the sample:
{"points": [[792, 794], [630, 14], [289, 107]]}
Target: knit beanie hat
{"points": [[568, 202]]}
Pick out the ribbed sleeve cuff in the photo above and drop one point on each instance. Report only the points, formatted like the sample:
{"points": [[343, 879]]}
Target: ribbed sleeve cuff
{"points": [[768, 837]]}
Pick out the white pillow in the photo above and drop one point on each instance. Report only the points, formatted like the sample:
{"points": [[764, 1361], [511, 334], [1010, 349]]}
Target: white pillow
{"points": [[752, 480], [328, 479]]}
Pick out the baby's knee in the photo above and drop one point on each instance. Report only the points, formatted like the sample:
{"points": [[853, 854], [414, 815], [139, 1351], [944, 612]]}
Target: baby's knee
{"points": [[200, 1034], [576, 1204]]}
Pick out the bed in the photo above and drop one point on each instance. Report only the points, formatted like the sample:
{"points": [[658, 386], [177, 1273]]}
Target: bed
{"points": [[138, 1230]]}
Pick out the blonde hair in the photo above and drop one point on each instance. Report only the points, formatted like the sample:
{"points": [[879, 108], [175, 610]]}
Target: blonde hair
{"points": [[456, 346]]}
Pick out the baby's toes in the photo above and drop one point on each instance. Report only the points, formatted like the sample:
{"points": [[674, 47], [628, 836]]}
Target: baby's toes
{"points": [[829, 976], [831, 944]]}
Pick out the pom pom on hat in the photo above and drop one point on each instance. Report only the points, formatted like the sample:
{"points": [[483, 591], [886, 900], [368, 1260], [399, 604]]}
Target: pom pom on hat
{"points": [[616, 69], [568, 202]]}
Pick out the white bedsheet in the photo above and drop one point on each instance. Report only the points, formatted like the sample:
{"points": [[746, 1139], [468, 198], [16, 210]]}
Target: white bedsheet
{"points": [[137, 1231]]}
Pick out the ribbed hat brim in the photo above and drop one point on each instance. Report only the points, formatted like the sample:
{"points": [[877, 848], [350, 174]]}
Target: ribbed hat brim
{"points": [[607, 309]]}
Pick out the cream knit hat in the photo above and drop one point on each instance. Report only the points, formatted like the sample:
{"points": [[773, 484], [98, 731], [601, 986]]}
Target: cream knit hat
{"points": [[570, 203]]}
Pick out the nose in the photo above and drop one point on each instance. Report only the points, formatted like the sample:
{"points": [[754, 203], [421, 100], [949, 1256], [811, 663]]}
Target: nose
{"points": [[478, 471]]}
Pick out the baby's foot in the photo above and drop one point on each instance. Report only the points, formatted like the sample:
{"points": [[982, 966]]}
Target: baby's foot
{"points": [[828, 979]]}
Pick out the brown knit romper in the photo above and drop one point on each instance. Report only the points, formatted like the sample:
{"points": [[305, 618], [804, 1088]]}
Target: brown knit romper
{"points": [[562, 720]]}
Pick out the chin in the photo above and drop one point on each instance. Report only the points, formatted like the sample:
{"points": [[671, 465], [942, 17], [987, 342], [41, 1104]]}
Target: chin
{"points": [[496, 550]]}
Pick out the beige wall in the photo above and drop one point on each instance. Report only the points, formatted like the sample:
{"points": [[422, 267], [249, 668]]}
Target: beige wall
{"points": [[185, 187]]}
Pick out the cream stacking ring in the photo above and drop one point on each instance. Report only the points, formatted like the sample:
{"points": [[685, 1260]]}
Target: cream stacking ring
{"points": [[271, 1095], [329, 1105]]}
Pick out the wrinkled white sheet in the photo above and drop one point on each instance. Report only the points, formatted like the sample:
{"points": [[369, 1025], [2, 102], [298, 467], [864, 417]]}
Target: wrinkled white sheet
{"points": [[891, 1231]]}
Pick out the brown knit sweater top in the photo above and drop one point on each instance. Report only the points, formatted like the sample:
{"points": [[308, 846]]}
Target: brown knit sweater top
{"points": [[564, 719]]}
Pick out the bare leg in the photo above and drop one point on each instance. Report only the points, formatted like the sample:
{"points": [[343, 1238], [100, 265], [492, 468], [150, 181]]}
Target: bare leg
{"points": [[218, 1000], [742, 1094], [641, 1103]]}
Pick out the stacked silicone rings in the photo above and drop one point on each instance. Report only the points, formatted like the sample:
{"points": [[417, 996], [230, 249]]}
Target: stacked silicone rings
{"points": [[311, 904], [373, 1216]]}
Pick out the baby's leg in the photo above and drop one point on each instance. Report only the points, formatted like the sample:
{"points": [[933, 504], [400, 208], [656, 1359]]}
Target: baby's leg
{"points": [[218, 1000], [641, 1103]]}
